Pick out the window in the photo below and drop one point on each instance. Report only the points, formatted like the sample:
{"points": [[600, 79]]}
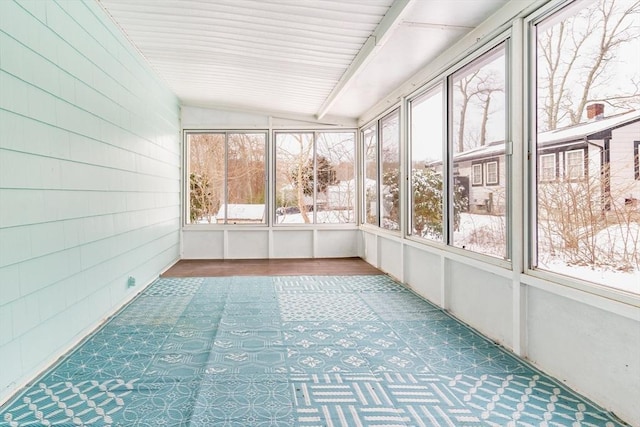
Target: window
{"points": [[547, 167], [492, 172], [370, 184], [636, 160], [381, 185], [476, 173], [390, 162], [226, 173], [586, 219], [574, 164], [315, 177], [426, 147], [478, 218]]}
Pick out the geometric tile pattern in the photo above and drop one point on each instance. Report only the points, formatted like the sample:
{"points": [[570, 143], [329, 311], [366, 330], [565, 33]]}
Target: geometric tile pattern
{"points": [[292, 351]]}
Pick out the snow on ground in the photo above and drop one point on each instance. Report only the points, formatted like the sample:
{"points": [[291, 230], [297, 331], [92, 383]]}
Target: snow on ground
{"points": [[323, 217], [626, 281], [486, 234]]}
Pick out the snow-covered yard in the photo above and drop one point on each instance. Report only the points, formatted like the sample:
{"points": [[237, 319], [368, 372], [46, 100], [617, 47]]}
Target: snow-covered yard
{"points": [[618, 244]]}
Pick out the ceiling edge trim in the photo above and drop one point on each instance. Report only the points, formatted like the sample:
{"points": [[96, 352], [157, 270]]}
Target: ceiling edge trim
{"points": [[380, 35]]}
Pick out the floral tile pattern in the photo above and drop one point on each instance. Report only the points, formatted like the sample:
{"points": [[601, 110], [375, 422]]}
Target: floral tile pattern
{"points": [[292, 351]]}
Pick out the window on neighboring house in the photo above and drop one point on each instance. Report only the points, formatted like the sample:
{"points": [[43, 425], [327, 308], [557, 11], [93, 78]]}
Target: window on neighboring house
{"points": [[477, 104], [226, 173], [492, 173], [315, 177], [547, 167], [476, 173], [574, 164], [636, 159]]}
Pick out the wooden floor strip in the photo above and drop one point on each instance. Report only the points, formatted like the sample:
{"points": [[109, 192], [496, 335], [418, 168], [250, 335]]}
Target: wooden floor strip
{"points": [[271, 267]]}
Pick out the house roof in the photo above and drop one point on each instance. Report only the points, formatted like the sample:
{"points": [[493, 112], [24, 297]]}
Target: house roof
{"points": [[574, 133], [587, 129], [492, 149]]}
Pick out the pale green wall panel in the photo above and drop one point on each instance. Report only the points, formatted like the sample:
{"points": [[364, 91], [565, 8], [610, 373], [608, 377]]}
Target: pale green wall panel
{"points": [[90, 164]]}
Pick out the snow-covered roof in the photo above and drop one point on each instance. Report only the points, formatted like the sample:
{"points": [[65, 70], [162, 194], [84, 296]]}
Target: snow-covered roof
{"points": [[242, 211], [567, 134], [582, 130], [494, 148]]}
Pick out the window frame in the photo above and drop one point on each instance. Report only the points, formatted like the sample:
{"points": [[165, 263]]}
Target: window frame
{"points": [[364, 161], [477, 174], [636, 160], [542, 177], [274, 161], [499, 46], [568, 176], [497, 172], [437, 88], [187, 168], [377, 124], [562, 282]]}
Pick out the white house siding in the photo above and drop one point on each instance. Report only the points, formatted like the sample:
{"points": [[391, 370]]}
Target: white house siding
{"points": [[623, 182], [478, 194], [89, 178]]}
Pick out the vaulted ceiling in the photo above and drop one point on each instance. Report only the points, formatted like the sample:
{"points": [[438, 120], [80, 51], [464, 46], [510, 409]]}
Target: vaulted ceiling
{"points": [[299, 57]]}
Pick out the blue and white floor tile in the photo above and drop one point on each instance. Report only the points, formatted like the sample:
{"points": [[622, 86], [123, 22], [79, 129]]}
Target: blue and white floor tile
{"points": [[292, 351]]}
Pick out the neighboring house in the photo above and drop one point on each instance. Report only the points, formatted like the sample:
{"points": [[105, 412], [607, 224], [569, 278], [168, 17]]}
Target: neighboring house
{"points": [[241, 214], [481, 171], [604, 150]]}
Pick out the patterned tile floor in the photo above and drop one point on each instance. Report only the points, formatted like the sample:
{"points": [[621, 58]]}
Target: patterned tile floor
{"points": [[292, 351]]}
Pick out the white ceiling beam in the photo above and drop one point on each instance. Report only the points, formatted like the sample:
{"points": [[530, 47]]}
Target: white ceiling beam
{"points": [[383, 31]]}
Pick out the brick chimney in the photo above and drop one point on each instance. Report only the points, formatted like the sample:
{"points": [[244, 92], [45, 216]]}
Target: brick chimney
{"points": [[595, 111]]}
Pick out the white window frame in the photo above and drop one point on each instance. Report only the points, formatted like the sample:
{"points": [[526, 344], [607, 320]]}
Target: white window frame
{"points": [[497, 175], [569, 168], [544, 176], [476, 172]]}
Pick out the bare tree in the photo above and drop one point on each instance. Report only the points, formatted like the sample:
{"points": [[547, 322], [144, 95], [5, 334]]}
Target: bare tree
{"points": [[206, 163], [246, 168], [574, 226], [476, 89], [576, 58], [293, 153], [466, 91]]}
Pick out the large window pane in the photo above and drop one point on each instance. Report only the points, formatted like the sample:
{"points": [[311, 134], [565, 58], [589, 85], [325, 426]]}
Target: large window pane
{"points": [[390, 157], [335, 177], [478, 193], [206, 176], [246, 178], [315, 177], [294, 178], [226, 178], [370, 158], [426, 165], [587, 195]]}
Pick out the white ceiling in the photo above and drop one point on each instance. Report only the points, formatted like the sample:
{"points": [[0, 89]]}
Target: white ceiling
{"points": [[297, 57]]}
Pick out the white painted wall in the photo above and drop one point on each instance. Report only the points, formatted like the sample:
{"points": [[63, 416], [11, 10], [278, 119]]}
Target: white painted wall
{"points": [[276, 242], [595, 350], [89, 179], [589, 342]]}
